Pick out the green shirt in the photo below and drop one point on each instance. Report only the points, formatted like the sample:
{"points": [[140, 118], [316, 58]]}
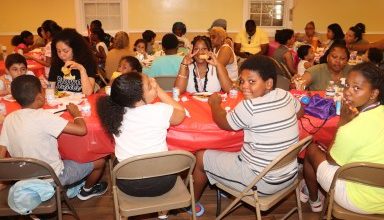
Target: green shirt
{"points": [[321, 76], [167, 65], [362, 140]]}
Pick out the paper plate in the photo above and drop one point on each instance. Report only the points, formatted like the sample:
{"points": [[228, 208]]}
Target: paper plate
{"points": [[202, 96]]}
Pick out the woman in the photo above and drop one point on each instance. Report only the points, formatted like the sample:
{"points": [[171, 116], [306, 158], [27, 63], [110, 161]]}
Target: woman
{"points": [[120, 49], [334, 33], [354, 37], [318, 76], [311, 36], [223, 51], [50, 29], [201, 71], [73, 65], [283, 54], [137, 128], [359, 139]]}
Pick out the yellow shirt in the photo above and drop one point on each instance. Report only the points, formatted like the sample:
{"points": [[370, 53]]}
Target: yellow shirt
{"points": [[362, 140], [115, 75], [252, 45]]}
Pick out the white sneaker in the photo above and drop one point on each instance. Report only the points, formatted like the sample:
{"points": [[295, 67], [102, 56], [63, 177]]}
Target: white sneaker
{"points": [[304, 196], [318, 205]]}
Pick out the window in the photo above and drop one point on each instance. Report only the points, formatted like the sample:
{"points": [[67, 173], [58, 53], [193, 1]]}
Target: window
{"points": [[269, 14], [111, 13]]}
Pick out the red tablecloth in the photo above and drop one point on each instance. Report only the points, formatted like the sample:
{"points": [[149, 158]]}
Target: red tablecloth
{"points": [[200, 131], [94, 145], [34, 66]]}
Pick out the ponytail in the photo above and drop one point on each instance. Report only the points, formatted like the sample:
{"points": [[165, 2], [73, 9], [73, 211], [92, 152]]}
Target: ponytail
{"points": [[110, 114]]}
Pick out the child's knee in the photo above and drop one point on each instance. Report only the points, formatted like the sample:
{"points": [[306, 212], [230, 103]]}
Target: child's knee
{"points": [[98, 164]]}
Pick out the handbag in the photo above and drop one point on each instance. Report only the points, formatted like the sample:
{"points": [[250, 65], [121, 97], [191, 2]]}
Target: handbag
{"points": [[320, 107]]}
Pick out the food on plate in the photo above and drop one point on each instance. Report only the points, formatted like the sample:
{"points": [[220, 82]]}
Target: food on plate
{"points": [[62, 94], [204, 56], [65, 70], [202, 96]]}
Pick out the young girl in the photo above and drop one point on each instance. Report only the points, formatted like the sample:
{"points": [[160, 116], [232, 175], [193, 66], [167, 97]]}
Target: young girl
{"points": [[283, 53], [97, 37], [140, 48], [359, 139], [127, 64], [23, 42], [139, 127], [50, 29], [73, 65], [200, 71], [307, 57]]}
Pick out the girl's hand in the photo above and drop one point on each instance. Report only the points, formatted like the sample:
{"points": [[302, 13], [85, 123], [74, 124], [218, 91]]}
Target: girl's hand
{"points": [[188, 59], [73, 110], [348, 112], [44, 82], [73, 65], [212, 59]]}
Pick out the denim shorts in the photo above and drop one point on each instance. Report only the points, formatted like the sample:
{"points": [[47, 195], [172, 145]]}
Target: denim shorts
{"points": [[74, 171]]}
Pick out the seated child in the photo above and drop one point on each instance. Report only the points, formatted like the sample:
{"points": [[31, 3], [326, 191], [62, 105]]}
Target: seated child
{"points": [[127, 64], [268, 116], [140, 48], [139, 127], [32, 132], [359, 138], [307, 56], [15, 65]]}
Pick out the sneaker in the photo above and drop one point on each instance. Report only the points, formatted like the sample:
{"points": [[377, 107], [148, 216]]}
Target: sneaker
{"points": [[97, 190], [199, 209], [317, 206], [304, 194], [164, 217]]}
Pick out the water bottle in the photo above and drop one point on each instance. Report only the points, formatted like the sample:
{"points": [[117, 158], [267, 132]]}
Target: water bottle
{"points": [[175, 93], [3, 108], [338, 98], [330, 91], [86, 108], [233, 91]]}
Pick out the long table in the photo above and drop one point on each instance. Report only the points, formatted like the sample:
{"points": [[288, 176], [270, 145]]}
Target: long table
{"points": [[196, 132]]}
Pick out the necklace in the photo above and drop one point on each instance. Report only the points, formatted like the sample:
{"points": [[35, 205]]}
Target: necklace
{"points": [[200, 79], [371, 106]]}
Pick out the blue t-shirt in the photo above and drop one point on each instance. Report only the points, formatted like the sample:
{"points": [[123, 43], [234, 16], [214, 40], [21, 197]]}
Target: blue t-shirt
{"points": [[164, 66]]}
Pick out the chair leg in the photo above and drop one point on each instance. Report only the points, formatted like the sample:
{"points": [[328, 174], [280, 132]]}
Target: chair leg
{"points": [[192, 191], [218, 202], [299, 210], [257, 206], [72, 210]]}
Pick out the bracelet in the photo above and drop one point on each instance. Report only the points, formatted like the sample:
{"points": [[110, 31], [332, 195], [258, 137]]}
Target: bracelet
{"points": [[78, 117], [184, 64], [182, 76]]}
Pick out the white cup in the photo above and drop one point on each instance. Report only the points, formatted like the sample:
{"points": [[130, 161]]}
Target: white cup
{"points": [[108, 90]]}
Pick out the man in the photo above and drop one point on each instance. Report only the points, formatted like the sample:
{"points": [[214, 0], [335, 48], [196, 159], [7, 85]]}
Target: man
{"points": [[251, 41]]}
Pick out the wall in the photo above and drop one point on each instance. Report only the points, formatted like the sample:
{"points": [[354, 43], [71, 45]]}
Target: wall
{"points": [[159, 15]]}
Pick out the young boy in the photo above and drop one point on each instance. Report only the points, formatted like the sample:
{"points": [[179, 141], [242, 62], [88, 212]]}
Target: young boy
{"points": [[15, 65], [32, 132]]}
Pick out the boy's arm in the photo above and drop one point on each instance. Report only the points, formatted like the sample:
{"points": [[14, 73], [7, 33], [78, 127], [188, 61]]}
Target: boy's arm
{"points": [[219, 115], [78, 126]]}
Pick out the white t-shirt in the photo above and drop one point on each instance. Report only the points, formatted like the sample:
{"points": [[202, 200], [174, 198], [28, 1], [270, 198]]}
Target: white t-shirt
{"points": [[143, 130], [300, 67], [213, 83], [33, 133], [232, 68]]}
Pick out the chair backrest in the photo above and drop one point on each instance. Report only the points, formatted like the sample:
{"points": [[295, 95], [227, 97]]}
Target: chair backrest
{"points": [[282, 69], [166, 82], [25, 168], [362, 172], [285, 158], [154, 165], [282, 82]]}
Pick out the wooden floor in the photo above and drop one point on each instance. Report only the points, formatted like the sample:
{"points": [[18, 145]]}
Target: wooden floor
{"points": [[102, 208]]}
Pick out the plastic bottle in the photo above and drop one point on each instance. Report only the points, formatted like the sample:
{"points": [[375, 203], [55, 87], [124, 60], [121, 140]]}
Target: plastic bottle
{"points": [[50, 93], [338, 103], [233, 91], [330, 91], [86, 108]]}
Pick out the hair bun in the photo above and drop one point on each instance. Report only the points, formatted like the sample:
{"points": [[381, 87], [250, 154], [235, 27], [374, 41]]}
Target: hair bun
{"points": [[360, 27]]}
